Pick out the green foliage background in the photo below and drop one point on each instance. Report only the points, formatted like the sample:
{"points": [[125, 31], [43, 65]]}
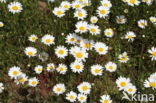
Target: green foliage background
{"points": [[37, 18]]}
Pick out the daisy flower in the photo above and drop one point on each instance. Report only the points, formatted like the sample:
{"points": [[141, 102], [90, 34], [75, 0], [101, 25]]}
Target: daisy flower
{"points": [[103, 11], [77, 5], [93, 19], [71, 96], [150, 83], [148, 2], [14, 72], [1, 87], [153, 19], [152, 51], [81, 27], [109, 32], [62, 68], [122, 82], [1, 24], [84, 88], [123, 58], [105, 99], [86, 44], [142, 23], [130, 89], [61, 51], [79, 54], [15, 7], [130, 35], [80, 14], [59, 11], [30, 51], [33, 82], [121, 19], [94, 29], [50, 67], [133, 2], [38, 69], [71, 39], [77, 67], [65, 5], [111, 67], [82, 98], [101, 48], [48, 39], [59, 89], [21, 79], [33, 38], [96, 70], [106, 3]]}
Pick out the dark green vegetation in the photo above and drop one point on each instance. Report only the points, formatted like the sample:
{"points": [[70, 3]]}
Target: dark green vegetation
{"points": [[37, 18]]}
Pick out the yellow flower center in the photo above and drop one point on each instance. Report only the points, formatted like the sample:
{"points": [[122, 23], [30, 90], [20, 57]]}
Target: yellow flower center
{"points": [[108, 33], [51, 67], [21, 80], [123, 84], [97, 70], [15, 72], [129, 36], [15, 8], [94, 21], [33, 82], [102, 11], [80, 14], [81, 98], [30, 53], [40, 69], [84, 88], [71, 97], [77, 66], [132, 1], [66, 6], [111, 67], [1, 24], [101, 49], [33, 38], [152, 84], [61, 69], [105, 101], [58, 89], [87, 45], [93, 30], [130, 89], [79, 55], [48, 40], [59, 13], [77, 6], [61, 52], [72, 39], [154, 53], [82, 28]]}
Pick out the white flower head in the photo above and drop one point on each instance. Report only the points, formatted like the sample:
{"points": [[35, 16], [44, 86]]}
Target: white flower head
{"points": [[123, 58], [81, 27], [109, 32], [103, 11], [48, 39], [59, 89], [33, 38], [61, 51], [152, 51], [81, 14], [101, 48], [77, 67], [111, 67], [1, 87], [50, 67], [62, 68], [30, 51], [130, 35], [33, 82], [122, 82], [105, 99], [71, 96], [84, 88], [94, 29], [38, 69], [14, 72], [59, 11], [142, 23], [96, 70], [15, 7]]}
